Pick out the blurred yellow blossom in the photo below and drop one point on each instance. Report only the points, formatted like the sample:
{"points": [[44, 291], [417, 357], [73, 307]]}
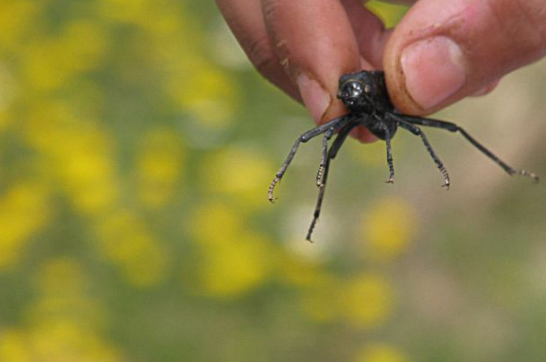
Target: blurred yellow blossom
{"points": [[14, 346], [41, 66], [126, 239], [55, 341], [388, 227], [234, 259], [64, 331], [85, 44], [65, 341], [372, 154], [235, 267], [191, 80], [60, 276], [24, 210], [237, 171], [50, 63], [365, 301], [17, 19], [301, 272], [62, 287], [320, 302], [160, 160], [130, 11], [216, 223], [209, 95], [4, 120], [78, 152], [8, 93], [380, 352]]}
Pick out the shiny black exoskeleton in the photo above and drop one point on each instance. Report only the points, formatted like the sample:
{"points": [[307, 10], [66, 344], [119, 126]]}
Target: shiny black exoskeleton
{"points": [[365, 93], [366, 98]]}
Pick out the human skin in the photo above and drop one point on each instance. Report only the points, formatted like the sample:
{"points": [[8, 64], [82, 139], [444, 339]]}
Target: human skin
{"points": [[440, 52]]}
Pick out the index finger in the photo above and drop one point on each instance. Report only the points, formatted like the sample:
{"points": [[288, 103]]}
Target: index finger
{"points": [[315, 43]]}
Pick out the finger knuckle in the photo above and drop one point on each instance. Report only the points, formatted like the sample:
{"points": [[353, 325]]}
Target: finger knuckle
{"points": [[534, 14], [262, 56], [523, 23]]}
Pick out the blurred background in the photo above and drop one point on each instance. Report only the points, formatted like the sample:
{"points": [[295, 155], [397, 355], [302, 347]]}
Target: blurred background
{"points": [[136, 148]]}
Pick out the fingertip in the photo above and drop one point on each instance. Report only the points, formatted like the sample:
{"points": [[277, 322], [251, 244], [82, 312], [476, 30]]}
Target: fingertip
{"points": [[443, 50], [315, 97], [315, 43], [433, 69], [426, 73]]}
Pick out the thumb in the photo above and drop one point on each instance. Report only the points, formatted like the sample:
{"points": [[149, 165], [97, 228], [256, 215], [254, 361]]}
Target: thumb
{"points": [[445, 50]]}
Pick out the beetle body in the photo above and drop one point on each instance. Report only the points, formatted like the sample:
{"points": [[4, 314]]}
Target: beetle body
{"points": [[365, 96]]}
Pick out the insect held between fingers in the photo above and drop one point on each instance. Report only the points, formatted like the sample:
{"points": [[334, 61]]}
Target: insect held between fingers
{"points": [[365, 96]]}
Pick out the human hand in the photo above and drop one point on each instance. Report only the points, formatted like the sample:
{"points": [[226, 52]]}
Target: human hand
{"points": [[439, 53]]}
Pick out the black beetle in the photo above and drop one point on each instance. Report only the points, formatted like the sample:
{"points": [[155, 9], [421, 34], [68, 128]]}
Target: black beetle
{"points": [[365, 95]]}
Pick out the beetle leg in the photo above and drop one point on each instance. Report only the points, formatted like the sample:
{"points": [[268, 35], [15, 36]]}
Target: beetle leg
{"points": [[429, 122], [345, 127], [388, 138], [332, 152], [418, 132], [320, 173], [338, 142], [322, 189], [302, 139]]}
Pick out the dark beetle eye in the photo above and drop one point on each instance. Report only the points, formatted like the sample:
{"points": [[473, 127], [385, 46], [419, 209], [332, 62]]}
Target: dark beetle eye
{"points": [[351, 89], [354, 89]]}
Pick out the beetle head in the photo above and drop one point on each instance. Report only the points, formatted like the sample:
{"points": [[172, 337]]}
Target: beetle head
{"points": [[354, 92], [364, 91]]}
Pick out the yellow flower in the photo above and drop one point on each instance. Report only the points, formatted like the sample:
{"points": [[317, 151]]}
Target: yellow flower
{"points": [[320, 302], [17, 19], [301, 272], [216, 223], [24, 210], [125, 239], [59, 340], [388, 227], [235, 267], [365, 301], [369, 155], [130, 11], [78, 152], [61, 276], [209, 94], [160, 160], [14, 346], [380, 352], [235, 260], [84, 45], [240, 172], [49, 63], [4, 118], [63, 324], [62, 289]]}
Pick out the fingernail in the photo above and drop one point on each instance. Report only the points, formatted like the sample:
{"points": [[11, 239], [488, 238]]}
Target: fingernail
{"points": [[315, 98], [434, 70]]}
